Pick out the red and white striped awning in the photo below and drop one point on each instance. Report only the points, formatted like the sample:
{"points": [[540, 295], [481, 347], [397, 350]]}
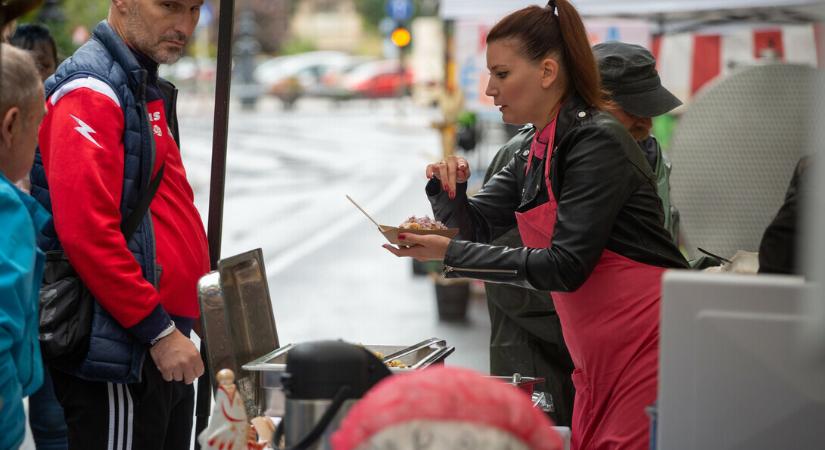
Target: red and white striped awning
{"points": [[689, 61], [669, 13], [724, 35]]}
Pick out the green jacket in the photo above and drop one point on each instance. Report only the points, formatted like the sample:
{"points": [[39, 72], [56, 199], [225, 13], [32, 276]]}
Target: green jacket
{"points": [[661, 166], [525, 335]]}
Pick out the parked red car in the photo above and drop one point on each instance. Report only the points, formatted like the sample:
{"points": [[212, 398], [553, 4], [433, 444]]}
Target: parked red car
{"points": [[377, 79]]}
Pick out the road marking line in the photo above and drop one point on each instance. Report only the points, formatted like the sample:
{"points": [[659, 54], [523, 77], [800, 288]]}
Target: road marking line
{"points": [[386, 198]]}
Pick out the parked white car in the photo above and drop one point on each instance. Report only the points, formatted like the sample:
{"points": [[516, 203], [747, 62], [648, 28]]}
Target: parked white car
{"points": [[293, 76]]}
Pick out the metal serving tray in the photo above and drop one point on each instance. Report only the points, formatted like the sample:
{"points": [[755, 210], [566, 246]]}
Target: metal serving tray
{"points": [[421, 355], [272, 365], [237, 319]]}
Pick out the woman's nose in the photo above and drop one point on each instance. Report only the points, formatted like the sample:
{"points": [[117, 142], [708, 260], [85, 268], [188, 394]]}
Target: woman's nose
{"points": [[491, 91]]}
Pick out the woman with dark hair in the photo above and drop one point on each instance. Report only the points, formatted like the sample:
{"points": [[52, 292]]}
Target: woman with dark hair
{"points": [[584, 200], [37, 40]]}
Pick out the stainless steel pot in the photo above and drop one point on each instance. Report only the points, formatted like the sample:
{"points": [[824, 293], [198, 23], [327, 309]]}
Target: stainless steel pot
{"points": [[526, 384], [541, 400], [304, 414]]}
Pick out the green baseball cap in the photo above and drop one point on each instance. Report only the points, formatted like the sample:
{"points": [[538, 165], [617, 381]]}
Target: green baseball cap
{"points": [[628, 72]]}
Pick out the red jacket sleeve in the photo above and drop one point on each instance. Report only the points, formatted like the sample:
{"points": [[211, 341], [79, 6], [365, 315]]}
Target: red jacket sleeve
{"points": [[83, 156]]}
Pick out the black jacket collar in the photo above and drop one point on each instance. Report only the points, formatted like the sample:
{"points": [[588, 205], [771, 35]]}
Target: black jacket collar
{"points": [[148, 64], [573, 111], [120, 52]]}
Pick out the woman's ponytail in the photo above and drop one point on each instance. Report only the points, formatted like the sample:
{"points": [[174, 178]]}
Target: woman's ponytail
{"points": [[582, 70]]}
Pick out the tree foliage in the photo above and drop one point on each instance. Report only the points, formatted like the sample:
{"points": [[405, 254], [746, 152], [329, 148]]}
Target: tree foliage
{"points": [[372, 11], [86, 13]]}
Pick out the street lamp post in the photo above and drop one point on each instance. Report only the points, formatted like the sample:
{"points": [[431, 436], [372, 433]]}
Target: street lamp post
{"points": [[51, 12], [246, 49], [428, 7]]}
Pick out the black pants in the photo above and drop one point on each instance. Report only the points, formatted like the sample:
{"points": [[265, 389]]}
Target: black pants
{"points": [[150, 415]]}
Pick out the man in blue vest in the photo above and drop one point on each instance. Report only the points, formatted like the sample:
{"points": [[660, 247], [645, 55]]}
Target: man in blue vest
{"points": [[111, 128]]}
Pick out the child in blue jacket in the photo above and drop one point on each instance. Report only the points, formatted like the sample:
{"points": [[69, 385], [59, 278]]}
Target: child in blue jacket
{"points": [[21, 262]]}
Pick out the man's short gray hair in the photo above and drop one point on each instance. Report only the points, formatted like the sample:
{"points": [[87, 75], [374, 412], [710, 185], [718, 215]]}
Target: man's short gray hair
{"points": [[19, 79]]}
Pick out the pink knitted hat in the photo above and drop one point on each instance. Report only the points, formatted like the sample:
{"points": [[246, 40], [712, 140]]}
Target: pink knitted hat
{"points": [[445, 407]]}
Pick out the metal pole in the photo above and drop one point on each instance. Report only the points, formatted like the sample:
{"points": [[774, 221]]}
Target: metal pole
{"points": [[217, 183], [221, 130]]}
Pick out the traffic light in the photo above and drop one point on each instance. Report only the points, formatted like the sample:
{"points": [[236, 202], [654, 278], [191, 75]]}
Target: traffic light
{"points": [[401, 36]]}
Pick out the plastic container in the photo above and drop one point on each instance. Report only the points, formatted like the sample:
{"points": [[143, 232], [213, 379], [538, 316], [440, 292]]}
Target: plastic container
{"points": [[452, 297]]}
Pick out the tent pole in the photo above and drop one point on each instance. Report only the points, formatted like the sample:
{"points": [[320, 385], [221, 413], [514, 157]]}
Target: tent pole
{"points": [[217, 183]]}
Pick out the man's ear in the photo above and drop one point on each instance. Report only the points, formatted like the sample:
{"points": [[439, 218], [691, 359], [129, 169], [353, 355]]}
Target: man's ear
{"points": [[10, 120], [550, 72], [122, 6]]}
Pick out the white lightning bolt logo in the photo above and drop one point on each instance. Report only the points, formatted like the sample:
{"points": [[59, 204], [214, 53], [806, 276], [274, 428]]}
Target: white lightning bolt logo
{"points": [[85, 130]]}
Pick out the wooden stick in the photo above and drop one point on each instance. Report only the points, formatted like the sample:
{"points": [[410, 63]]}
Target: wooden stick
{"points": [[365, 213]]}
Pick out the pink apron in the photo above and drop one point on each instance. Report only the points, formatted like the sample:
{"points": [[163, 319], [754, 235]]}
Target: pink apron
{"points": [[611, 326]]}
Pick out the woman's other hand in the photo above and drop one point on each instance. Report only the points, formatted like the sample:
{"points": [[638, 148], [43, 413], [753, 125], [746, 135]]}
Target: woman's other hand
{"points": [[422, 247], [450, 171]]}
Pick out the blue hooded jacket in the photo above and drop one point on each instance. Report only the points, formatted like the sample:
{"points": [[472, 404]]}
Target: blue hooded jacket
{"points": [[21, 270]]}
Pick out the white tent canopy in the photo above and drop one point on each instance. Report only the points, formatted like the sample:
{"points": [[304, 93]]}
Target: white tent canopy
{"points": [[686, 9], [700, 39], [669, 15], [470, 9]]}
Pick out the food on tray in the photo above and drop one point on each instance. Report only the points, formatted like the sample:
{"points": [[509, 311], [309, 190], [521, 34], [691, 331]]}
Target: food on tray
{"points": [[422, 223], [417, 225], [394, 363]]}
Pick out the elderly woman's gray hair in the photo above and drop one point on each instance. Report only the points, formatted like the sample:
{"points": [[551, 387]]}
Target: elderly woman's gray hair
{"points": [[19, 79]]}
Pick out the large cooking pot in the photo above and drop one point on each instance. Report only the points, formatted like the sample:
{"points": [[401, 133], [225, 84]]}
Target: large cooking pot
{"points": [[321, 382], [270, 367], [300, 382]]}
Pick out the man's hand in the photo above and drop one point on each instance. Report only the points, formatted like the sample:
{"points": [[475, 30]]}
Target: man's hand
{"points": [[177, 358]]}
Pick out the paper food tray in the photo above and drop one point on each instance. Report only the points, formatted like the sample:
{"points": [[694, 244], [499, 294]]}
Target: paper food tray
{"points": [[391, 233]]}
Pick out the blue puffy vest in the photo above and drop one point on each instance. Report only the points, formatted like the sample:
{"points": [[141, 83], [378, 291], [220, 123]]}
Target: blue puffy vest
{"points": [[114, 355]]}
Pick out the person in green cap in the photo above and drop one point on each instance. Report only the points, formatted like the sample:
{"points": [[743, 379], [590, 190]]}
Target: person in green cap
{"points": [[629, 74]]}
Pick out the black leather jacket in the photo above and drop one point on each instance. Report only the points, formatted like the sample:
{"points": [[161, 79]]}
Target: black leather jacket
{"points": [[606, 196]]}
